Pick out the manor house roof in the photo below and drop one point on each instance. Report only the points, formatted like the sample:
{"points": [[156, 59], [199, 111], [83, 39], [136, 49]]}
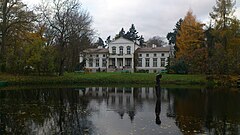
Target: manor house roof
{"points": [[154, 49], [96, 50]]}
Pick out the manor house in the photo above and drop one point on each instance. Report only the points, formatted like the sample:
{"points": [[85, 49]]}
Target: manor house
{"points": [[125, 55]]}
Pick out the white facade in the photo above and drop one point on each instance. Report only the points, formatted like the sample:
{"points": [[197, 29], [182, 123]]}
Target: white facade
{"points": [[96, 59], [153, 59], [121, 54]]}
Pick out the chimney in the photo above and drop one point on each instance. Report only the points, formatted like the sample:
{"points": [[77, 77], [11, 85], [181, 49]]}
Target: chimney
{"points": [[154, 46]]}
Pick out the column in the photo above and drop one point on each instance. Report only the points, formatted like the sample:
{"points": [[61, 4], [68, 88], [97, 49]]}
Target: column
{"points": [[132, 63]]}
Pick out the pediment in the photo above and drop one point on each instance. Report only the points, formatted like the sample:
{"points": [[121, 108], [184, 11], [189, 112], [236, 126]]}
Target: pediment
{"points": [[122, 40]]}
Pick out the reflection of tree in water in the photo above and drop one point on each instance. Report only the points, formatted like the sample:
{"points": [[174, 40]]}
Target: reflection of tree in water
{"points": [[222, 112], [48, 111], [206, 111]]}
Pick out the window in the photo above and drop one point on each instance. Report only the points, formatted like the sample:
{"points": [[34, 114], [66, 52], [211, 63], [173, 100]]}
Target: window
{"points": [[104, 63], [97, 55], [113, 62], [140, 62], [113, 50], [90, 55], [97, 62], [121, 50], [162, 62], [140, 55], [128, 62], [154, 62], [162, 54], [147, 55], [147, 62], [120, 62], [90, 63], [104, 55], [155, 55], [129, 50]]}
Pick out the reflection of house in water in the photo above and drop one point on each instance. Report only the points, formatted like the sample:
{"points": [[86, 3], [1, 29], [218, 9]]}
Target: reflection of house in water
{"points": [[125, 100], [121, 100]]}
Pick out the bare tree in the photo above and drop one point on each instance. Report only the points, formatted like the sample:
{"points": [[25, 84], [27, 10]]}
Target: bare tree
{"points": [[68, 23], [156, 40]]}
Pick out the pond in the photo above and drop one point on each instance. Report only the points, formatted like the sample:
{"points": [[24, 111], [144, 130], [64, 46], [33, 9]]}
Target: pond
{"points": [[119, 111]]}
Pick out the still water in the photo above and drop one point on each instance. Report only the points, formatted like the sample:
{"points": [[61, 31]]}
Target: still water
{"points": [[119, 111]]}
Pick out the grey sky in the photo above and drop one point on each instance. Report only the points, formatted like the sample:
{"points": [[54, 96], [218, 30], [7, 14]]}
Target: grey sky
{"points": [[151, 17]]}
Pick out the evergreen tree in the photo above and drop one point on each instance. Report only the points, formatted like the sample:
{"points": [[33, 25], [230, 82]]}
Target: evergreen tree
{"points": [[172, 36], [222, 13], [108, 40], [223, 32], [100, 42], [132, 34], [120, 34], [222, 16]]}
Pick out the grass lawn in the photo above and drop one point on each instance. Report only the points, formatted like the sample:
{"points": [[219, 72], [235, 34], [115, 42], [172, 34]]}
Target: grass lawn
{"points": [[104, 79]]}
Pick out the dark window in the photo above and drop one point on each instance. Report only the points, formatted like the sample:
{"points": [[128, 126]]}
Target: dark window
{"points": [[113, 50], [154, 62], [129, 50], [140, 62], [147, 63], [121, 50]]}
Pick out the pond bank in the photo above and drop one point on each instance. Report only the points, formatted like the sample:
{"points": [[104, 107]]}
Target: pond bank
{"points": [[107, 79]]}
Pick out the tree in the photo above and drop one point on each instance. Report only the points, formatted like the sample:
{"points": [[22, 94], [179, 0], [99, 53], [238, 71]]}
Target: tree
{"points": [[191, 36], [225, 33], [172, 36], [222, 13], [132, 34], [222, 16], [108, 40], [191, 44], [156, 40], [16, 19], [100, 42], [68, 22], [120, 34]]}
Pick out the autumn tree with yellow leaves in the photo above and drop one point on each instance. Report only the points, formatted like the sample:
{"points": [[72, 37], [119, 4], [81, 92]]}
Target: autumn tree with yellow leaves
{"points": [[191, 45]]}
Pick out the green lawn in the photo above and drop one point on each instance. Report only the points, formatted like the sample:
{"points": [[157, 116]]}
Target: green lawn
{"points": [[104, 79]]}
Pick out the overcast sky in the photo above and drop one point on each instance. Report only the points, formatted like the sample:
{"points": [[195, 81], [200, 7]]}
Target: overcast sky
{"points": [[150, 17]]}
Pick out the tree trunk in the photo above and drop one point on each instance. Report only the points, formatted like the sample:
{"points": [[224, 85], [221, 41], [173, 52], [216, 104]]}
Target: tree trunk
{"points": [[3, 42], [61, 67]]}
